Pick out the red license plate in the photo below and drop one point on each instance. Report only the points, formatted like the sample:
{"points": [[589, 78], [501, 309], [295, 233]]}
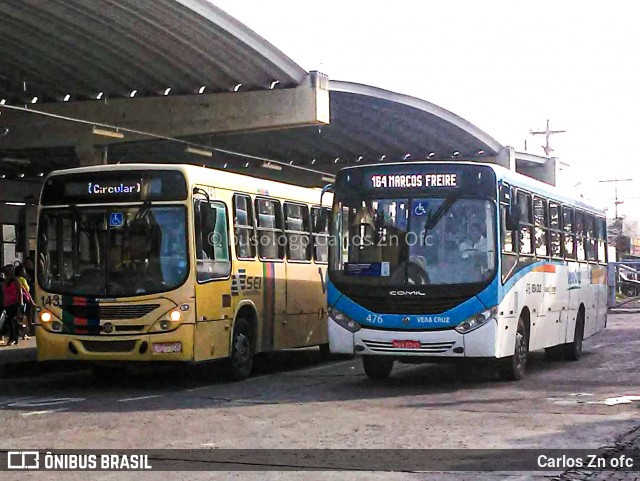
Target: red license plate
{"points": [[406, 344]]}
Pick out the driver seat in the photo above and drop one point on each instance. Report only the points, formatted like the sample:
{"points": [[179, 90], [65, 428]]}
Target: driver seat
{"points": [[419, 260]]}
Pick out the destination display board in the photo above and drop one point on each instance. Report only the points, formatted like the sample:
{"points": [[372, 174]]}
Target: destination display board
{"points": [[419, 178], [114, 186]]}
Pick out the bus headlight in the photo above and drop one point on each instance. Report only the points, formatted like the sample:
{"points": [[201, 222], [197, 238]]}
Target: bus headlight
{"points": [[343, 320], [474, 322], [45, 316], [171, 320]]}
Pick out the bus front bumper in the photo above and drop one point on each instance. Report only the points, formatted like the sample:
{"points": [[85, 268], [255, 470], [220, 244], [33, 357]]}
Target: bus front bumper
{"points": [[166, 346], [447, 343]]}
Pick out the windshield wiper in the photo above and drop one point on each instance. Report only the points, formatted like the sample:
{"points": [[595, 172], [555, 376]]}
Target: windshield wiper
{"points": [[434, 218]]}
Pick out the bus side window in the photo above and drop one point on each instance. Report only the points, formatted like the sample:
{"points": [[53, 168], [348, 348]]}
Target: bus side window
{"points": [[320, 233], [555, 234], [212, 241], [506, 236], [591, 239], [580, 230], [541, 226], [269, 222], [297, 227], [243, 227], [525, 237], [568, 236], [602, 240]]}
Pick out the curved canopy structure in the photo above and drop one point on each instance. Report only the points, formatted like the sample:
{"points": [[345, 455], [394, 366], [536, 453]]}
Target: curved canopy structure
{"points": [[83, 47], [173, 68]]}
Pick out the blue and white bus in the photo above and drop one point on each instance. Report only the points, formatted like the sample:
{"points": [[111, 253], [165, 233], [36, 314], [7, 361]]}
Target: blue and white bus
{"points": [[437, 261]]}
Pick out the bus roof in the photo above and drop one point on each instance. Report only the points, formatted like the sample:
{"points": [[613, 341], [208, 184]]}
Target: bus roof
{"points": [[514, 178], [219, 179]]}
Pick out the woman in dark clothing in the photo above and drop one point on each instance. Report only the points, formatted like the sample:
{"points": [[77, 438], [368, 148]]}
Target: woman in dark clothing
{"points": [[3, 326], [13, 303]]}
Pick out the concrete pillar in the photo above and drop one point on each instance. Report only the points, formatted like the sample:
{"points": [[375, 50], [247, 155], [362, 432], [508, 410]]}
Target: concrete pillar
{"points": [[89, 155]]}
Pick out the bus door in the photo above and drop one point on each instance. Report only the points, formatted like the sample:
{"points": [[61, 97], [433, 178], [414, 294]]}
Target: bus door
{"points": [[274, 327], [304, 293], [214, 313]]}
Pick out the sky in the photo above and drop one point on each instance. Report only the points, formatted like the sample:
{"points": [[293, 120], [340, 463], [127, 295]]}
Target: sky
{"points": [[505, 66]]}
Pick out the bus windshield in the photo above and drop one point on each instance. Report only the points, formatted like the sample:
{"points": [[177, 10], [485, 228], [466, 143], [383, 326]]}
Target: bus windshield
{"points": [[112, 252], [415, 241]]}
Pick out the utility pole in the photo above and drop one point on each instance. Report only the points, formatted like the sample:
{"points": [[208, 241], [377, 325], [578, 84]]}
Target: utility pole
{"points": [[615, 181], [547, 133]]}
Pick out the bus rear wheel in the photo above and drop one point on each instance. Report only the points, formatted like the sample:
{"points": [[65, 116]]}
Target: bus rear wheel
{"points": [[242, 352], [573, 350], [513, 368], [377, 367]]}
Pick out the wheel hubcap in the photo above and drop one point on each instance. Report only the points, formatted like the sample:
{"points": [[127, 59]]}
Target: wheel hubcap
{"points": [[243, 350], [521, 350]]}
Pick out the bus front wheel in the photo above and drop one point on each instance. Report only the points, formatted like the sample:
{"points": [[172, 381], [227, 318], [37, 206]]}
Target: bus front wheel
{"points": [[513, 367], [377, 367], [241, 361]]}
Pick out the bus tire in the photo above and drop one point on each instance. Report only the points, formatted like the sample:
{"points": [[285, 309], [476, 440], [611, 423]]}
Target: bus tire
{"points": [[324, 350], [377, 367], [573, 350], [242, 351], [513, 368]]}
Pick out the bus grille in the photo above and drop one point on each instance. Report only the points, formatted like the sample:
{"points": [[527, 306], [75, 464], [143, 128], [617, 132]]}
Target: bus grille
{"points": [[109, 346], [425, 347], [109, 313], [408, 305]]}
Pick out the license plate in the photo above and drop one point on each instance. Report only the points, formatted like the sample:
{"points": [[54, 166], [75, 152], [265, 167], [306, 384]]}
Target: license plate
{"points": [[406, 344], [166, 347]]}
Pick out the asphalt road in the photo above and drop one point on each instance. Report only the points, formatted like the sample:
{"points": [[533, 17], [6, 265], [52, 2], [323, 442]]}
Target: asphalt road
{"points": [[300, 400]]}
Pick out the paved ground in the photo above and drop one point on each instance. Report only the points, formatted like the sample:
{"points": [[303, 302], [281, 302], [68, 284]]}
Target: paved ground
{"points": [[298, 400]]}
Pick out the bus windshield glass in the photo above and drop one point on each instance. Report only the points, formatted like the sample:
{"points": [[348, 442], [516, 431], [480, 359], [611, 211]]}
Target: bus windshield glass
{"points": [[419, 240], [112, 252]]}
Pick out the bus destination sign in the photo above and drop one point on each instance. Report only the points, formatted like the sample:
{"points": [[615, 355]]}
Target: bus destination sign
{"points": [[95, 188], [413, 181], [114, 186]]}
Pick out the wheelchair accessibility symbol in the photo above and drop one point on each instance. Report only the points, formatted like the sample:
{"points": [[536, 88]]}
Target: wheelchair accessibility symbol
{"points": [[116, 219], [420, 210]]}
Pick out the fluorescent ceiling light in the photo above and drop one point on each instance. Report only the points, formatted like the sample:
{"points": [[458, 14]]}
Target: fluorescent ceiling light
{"points": [[203, 152], [327, 178], [13, 160], [108, 133], [269, 165]]}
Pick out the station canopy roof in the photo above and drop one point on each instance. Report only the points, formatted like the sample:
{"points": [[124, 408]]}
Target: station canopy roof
{"points": [[86, 50]]}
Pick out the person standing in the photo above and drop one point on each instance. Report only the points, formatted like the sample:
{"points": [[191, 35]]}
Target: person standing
{"points": [[13, 303], [24, 318], [3, 316]]}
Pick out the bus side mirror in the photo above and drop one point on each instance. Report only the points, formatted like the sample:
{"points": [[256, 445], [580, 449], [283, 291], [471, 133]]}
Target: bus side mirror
{"points": [[512, 221]]}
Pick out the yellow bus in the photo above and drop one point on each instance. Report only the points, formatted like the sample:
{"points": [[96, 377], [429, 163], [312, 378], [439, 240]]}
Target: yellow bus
{"points": [[151, 262]]}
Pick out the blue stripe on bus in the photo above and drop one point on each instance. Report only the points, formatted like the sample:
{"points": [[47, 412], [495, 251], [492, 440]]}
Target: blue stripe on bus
{"points": [[489, 297]]}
